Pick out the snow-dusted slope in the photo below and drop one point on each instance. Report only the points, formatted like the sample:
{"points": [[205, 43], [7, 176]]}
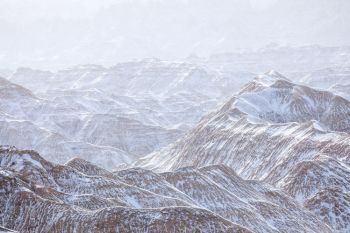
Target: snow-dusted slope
{"points": [[149, 76], [289, 135], [62, 129], [108, 115], [270, 108], [6, 230], [274, 99], [333, 206], [166, 94], [38, 196], [248, 203]]}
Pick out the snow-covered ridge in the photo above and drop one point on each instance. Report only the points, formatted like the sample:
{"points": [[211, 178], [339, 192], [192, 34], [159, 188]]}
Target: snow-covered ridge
{"points": [[289, 135], [274, 131], [120, 113], [80, 196], [275, 99]]}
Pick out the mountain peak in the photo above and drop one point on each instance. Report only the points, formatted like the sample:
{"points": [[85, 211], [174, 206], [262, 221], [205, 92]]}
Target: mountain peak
{"points": [[278, 100]]}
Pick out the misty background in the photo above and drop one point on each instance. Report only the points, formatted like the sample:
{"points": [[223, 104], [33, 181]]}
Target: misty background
{"points": [[56, 34]]}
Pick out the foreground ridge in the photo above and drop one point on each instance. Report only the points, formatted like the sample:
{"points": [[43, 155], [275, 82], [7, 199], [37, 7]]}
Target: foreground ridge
{"points": [[38, 196]]}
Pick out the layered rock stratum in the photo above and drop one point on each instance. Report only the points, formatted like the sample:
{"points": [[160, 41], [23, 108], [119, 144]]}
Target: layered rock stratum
{"points": [[119, 113], [291, 136], [39, 196]]}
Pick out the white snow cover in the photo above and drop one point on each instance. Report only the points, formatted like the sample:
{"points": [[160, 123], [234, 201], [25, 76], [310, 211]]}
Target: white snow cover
{"points": [[110, 115], [273, 158], [289, 135], [80, 196]]}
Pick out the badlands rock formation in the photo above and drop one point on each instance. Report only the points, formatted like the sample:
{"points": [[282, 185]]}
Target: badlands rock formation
{"points": [[39, 196], [274, 158], [107, 115], [291, 136]]}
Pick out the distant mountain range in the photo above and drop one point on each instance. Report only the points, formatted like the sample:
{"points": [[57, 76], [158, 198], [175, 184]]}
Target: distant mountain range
{"points": [[196, 146], [108, 115]]}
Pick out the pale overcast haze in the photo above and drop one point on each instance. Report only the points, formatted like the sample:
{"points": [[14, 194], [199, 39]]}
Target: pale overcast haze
{"points": [[53, 34]]}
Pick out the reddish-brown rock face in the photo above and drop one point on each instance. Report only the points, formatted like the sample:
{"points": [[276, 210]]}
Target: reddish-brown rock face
{"points": [[333, 206], [38, 196], [63, 199]]}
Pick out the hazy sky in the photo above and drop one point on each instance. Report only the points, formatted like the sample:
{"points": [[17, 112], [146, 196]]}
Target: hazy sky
{"points": [[57, 33]]}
